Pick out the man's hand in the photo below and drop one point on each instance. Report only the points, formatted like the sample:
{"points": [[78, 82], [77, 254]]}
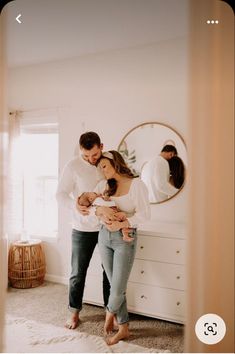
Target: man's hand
{"points": [[82, 209]]}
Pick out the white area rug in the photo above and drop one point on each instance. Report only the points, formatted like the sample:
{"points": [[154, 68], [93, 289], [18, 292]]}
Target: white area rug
{"points": [[24, 336]]}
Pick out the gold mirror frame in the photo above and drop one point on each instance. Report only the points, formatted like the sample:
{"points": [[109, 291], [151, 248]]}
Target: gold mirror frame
{"points": [[152, 124]]}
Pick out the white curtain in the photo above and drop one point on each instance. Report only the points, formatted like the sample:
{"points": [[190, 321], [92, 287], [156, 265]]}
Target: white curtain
{"points": [[14, 196]]}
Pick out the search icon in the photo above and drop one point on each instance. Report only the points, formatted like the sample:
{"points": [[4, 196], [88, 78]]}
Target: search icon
{"points": [[210, 329]]}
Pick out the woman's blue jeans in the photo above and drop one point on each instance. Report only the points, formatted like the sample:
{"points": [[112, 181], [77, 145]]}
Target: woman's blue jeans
{"points": [[117, 258], [83, 245]]}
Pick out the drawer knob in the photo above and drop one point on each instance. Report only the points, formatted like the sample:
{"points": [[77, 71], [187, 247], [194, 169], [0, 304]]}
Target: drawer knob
{"points": [[143, 297], [142, 272], [178, 251], [178, 277], [141, 247], [178, 303]]}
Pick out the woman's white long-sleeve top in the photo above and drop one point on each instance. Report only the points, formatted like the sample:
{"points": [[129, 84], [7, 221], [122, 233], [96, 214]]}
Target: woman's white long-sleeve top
{"points": [[135, 203]]}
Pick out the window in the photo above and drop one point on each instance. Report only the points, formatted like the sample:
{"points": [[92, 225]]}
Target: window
{"points": [[39, 145]]}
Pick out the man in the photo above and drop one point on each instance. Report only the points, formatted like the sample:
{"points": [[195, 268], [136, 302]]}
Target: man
{"points": [[81, 175], [156, 175]]}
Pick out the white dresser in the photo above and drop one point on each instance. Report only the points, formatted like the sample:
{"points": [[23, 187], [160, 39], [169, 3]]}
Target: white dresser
{"points": [[156, 286]]}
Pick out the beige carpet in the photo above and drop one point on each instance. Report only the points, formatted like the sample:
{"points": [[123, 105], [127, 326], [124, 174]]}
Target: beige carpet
{"points": [[47, 304]]}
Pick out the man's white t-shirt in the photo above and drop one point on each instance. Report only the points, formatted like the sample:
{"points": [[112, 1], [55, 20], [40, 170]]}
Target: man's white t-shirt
{"points": [[156, 174], [78, 176]]}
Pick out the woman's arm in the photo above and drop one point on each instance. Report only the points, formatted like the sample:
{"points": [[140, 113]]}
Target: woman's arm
{"points": [[139, 196], [103, 212], [117, 225], [106, 213]]}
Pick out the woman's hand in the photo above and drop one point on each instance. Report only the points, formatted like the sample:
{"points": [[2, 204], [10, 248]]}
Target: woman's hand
{"points": [[106, 213], [113, 226], [116, 225], [120, 216]]}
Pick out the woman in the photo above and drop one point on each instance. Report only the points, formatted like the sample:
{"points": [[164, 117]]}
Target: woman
{"points": [[131, 197]]}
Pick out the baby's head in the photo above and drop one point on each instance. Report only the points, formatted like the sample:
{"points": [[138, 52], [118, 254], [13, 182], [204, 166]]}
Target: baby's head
{"points": [[87, 198]]}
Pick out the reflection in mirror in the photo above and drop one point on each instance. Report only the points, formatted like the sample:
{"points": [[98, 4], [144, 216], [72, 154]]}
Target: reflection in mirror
{"points": [[157, 153]]}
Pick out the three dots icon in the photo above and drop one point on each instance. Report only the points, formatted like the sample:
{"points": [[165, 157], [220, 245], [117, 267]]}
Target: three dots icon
{"points": [[212, 22]]}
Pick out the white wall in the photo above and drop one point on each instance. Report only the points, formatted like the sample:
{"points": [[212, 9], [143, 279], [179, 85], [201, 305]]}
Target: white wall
{"points": [[109, 93]]}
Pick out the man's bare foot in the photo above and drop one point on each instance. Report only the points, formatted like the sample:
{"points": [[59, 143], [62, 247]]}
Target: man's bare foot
{"points": [[123, 333], [108, 325], [72, 323]]}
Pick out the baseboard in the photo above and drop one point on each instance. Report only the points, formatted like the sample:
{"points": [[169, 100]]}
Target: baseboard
{"points": [[57, 279]]}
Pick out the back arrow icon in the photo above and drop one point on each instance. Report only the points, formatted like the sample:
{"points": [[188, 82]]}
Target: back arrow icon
{"points": [[18, 18]]}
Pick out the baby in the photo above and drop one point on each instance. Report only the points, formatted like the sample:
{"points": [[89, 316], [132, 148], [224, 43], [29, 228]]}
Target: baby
{"points": [[90, 198]]}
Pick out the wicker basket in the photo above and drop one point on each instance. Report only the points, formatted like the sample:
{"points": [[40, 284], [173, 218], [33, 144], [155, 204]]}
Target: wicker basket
{"points": [[26, 264]]}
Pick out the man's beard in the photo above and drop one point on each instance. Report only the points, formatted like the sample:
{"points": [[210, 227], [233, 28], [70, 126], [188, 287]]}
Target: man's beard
{"points": [[92, 163]]}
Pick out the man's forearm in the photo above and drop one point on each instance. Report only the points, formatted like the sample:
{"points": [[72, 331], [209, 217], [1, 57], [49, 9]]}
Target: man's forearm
{"points": [[64, 199]]}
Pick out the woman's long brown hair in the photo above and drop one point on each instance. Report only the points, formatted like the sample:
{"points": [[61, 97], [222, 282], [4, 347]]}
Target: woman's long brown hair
{"points": [[120, 167], [177, 171]]}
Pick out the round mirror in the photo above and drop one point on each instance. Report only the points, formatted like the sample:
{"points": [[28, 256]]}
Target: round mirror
{"points": [[157, 153]]}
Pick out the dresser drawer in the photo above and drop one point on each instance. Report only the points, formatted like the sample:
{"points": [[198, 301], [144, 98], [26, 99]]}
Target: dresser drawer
{"points": [[156, 302], [158, 274], [93, 292], [161, 249], [95, 267], [142, 299]]}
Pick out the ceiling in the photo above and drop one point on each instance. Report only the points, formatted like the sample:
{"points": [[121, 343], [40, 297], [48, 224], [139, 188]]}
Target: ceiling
{"points": [[60, 29]]}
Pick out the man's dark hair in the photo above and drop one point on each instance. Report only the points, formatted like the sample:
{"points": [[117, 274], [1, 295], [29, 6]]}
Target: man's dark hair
{"points": [[88, 140], [169, 148]]}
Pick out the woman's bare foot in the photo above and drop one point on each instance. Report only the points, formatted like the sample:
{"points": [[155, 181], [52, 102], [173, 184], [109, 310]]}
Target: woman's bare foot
{"points": [[108, 325], [72, 323], [123, 333], [115, 324]]}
